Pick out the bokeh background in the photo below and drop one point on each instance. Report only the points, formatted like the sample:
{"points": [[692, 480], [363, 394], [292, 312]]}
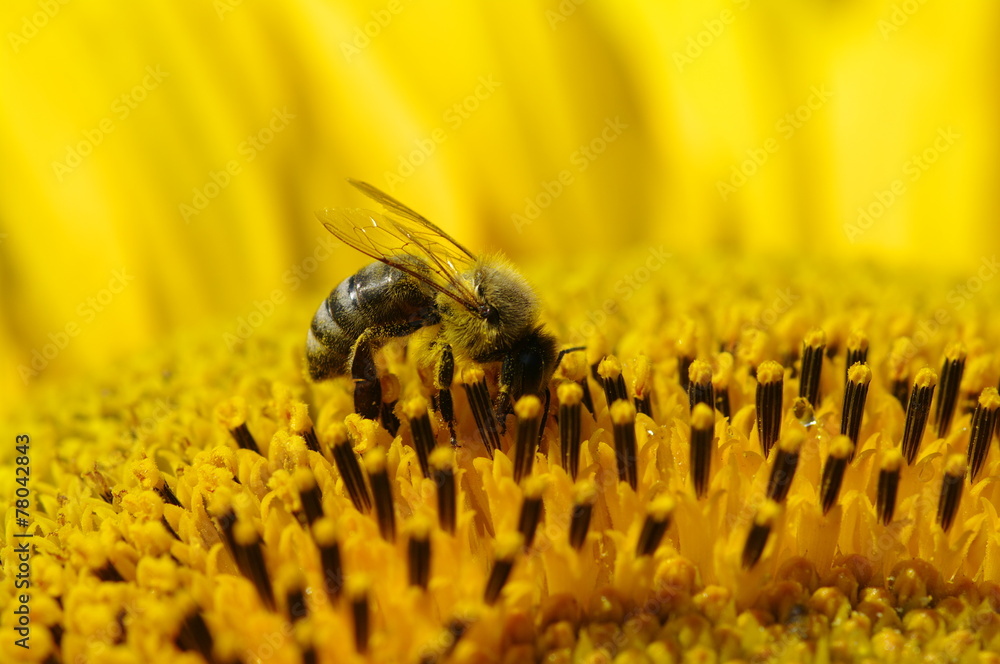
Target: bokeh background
{"points": [[161, 162]]}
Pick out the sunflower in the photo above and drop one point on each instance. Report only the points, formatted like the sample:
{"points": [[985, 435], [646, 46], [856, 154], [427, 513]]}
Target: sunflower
{"points": [[770, 228]]}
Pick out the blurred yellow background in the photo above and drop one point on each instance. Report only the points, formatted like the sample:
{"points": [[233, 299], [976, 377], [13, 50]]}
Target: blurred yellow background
{"points": [[162, 161]]}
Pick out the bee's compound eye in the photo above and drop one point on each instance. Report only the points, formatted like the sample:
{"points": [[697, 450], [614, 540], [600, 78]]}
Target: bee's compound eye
{"points": [[491, 315]]}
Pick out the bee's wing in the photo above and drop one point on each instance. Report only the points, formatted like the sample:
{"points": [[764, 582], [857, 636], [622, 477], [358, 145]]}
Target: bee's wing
{"points": [[423, 227], [408, 243]]}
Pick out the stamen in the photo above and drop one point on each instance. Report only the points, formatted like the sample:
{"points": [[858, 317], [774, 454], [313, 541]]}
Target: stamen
{"points": [[358, 587], [295, 599], [508, 545], [574, 368], [596, 351], [195, 635], [531, 509], [623, 421], [951, 379], [390, 396], [167, 495], [974, 381], [785, 463], [420, 428], [655, 526], [898, 376], [812, 365], [443, 645], [109, 573], [917, 412], [951, 490], [763, 523], [855, 394], [584, 496], [702, 435], [841, 449], [685, 353], [752, 349], [232, 414], [478, 394], [443, 473], [642, 385], [570, 395], [683, 371], [100, 485], [984, 421], [378, 476], [857, 352], [309, 493], [770, 389], [350, 471], [529, 417], [300, 424], [249, 557], [419, 552], [325, 536], [610, 371], [720, 383], [888, 485], [700, 384]]}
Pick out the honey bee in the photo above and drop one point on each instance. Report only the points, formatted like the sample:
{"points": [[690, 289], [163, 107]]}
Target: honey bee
{"points": [[483, 308]]}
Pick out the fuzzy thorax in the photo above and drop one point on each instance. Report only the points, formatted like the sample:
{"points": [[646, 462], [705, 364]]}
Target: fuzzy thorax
{"points": [[508, 310]]}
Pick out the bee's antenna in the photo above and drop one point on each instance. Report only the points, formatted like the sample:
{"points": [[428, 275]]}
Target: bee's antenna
{"points": [[559, 357]]}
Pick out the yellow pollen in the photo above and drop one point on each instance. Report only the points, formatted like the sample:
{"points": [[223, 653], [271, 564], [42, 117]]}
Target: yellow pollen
{"points": [[926, 378], [700, 372], [569, 394], [791, 441], [841, 447], [415, 407], [767, 514], [892, 460], [990, 398], [661, 507], [609, 367], [815, 338], [232, 412], [528, 407], [955, 465], [769, 372], [859, 374], [702, 417], [622, 412]]}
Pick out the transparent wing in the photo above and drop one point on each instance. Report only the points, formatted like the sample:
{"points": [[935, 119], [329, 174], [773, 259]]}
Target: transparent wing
{"points": [[407, 215], [405, 240]]}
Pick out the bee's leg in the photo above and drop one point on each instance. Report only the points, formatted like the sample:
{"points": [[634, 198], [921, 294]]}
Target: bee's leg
{"points": [[444, 373], [367, 386], [364, 371], [546, 402], [503, 406]]}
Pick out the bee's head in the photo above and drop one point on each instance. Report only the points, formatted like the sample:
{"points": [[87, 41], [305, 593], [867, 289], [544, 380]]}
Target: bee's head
{"points": [[506, 310]]}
